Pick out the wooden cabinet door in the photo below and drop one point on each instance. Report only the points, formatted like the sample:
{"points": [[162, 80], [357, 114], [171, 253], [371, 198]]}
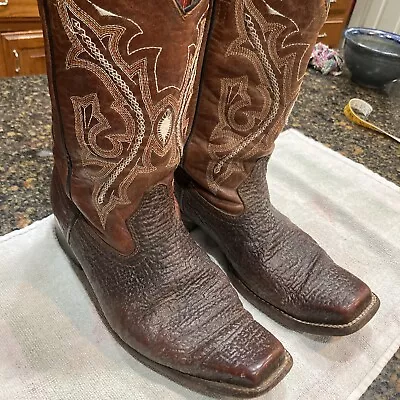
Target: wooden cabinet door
{"points": [[18, 9], [23, 53], [332, 31]]}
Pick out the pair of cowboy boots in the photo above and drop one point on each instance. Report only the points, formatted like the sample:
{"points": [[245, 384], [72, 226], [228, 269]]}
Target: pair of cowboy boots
{"points": [[139, 87]]}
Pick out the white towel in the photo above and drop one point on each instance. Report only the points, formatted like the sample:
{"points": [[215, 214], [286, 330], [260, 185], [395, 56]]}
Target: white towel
{"points": [[54, 345]]}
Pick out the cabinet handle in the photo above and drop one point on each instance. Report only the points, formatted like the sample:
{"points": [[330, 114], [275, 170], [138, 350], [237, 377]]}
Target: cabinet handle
{"points": [[322, 35], [17, 62], [4, 3]]}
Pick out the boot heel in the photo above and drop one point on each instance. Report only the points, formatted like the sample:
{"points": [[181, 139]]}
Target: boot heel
{"points": [[65, 246], [189, 224]]}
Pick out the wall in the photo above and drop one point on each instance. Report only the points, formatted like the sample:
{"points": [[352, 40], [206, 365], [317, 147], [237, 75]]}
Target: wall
{"points": [[380, 14]]}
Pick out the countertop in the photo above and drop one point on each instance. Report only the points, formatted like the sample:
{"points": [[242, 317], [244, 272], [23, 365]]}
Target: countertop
{"points": [[26, 160]]}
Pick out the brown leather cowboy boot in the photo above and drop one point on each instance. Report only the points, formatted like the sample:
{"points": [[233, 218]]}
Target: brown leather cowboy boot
{"points": [[256, 56], [122, 77]]}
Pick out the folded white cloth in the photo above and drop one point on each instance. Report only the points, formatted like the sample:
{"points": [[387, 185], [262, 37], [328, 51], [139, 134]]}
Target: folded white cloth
{"points": [[54, 345]]}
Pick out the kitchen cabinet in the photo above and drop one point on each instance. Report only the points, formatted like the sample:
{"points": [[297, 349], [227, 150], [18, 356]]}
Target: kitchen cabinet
{"points": [[21, 39], [332, 32]]}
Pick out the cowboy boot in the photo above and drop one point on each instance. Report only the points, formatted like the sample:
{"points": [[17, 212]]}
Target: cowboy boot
{"points": [[123, 78], [256, 56]]}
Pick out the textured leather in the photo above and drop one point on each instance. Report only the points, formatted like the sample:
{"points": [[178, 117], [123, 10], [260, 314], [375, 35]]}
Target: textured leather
{"points": [[256, 57], [168, 301], [257, 54], [279, 262], [123, 80]]}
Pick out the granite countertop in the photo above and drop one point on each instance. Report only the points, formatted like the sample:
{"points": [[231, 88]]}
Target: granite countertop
{"points": [[26, 160]]}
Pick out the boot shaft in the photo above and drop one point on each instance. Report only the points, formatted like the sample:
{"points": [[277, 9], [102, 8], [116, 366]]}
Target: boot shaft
{"points": [[257, 55], [123, 79]]}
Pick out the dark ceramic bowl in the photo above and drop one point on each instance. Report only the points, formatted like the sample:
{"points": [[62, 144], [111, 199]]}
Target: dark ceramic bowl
{"points": [[372, 56]]}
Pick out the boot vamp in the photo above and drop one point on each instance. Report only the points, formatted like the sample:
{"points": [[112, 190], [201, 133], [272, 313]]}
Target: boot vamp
{"points": [[278, 261], [286, 267], [171, 303]]}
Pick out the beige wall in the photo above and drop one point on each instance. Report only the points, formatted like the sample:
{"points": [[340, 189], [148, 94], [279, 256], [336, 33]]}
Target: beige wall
{"points": [[380, 14]]}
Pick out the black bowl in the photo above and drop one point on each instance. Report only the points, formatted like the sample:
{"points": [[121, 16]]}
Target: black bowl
{"points": [[372, 56]]}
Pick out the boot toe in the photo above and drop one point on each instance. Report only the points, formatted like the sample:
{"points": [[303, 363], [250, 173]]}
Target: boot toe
{"points": [[337, 299], [355, 305], [255, 359], [256, 373]]}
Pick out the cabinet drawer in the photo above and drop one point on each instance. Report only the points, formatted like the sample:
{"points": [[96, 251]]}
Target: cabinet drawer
{"points": [[18, 9], [331, 33], [23, 53]]}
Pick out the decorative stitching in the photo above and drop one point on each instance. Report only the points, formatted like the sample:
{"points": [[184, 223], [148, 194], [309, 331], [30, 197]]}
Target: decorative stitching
{"points": [[134, 104], [256, 42], [261, 42], [166, 128]]}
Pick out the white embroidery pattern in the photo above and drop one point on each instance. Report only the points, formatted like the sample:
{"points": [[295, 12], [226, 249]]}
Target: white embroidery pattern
{"points": [[278, 55], [165, 126], [150, 127]]}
